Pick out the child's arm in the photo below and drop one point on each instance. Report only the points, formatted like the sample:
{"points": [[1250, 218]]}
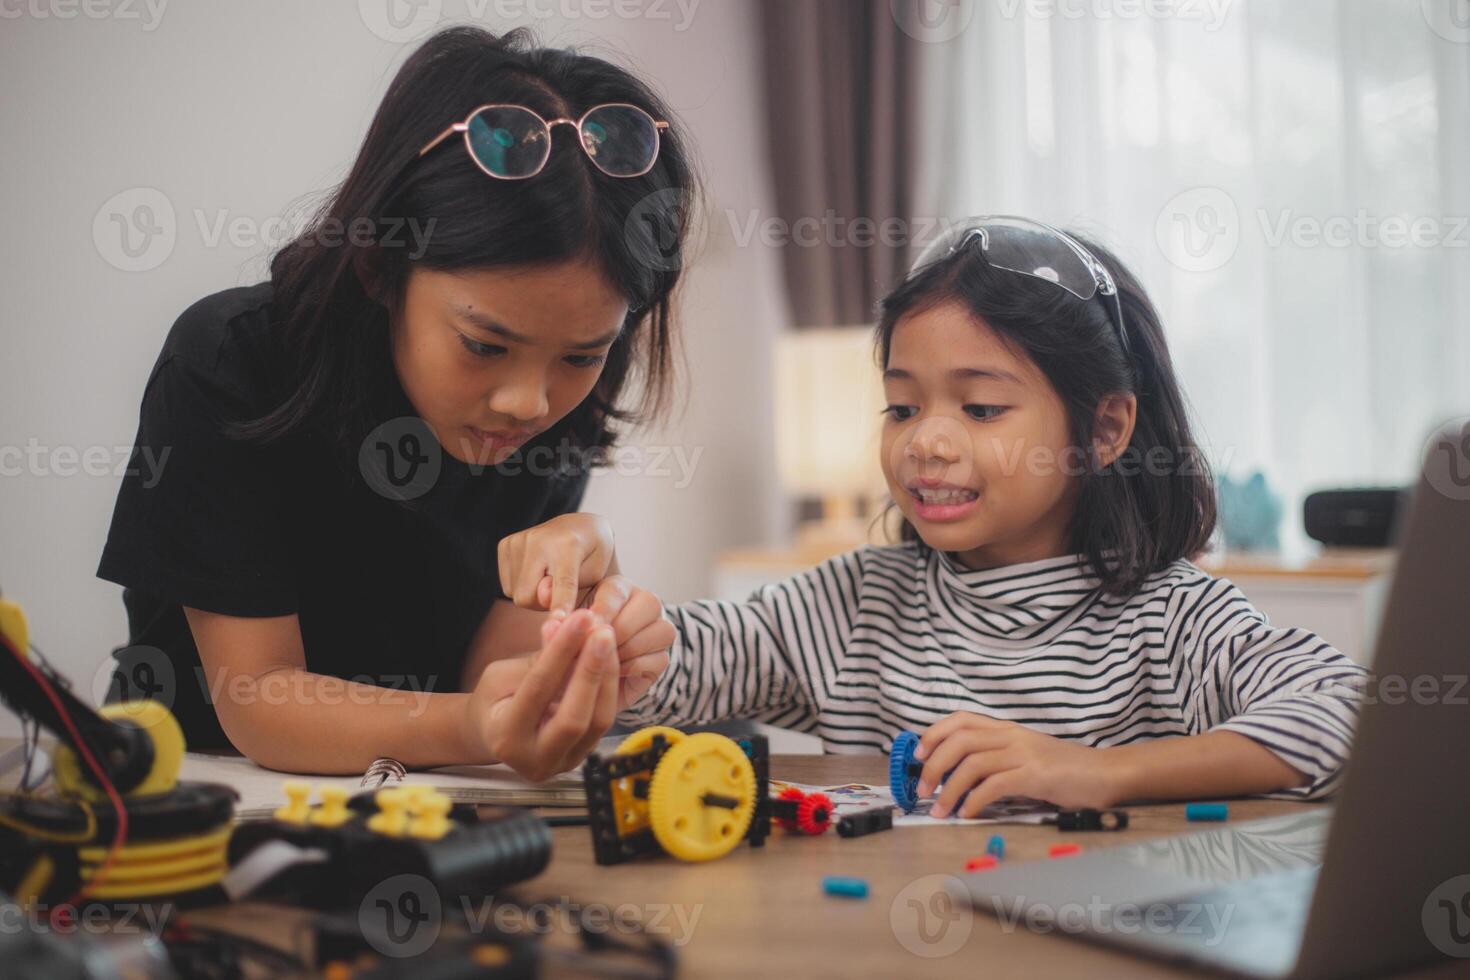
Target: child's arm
{"points": [[770, 658], [1285, 689], [539, 714], [1272, 711], [1217, 763], [990, 758]]}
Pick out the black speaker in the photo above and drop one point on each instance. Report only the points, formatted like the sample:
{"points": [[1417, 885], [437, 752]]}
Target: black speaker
{"points": [[1363, 517]]}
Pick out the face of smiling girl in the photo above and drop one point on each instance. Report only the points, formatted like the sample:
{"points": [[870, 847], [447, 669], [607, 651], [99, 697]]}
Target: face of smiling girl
{"points": [[489, 358], [975, 442]]}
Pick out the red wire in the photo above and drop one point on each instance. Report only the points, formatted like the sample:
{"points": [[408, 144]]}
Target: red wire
{"points": [[120, 836]]}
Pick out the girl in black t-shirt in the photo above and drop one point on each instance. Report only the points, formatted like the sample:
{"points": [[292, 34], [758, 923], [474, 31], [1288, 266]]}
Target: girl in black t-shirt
{"points": [[355, 532]]}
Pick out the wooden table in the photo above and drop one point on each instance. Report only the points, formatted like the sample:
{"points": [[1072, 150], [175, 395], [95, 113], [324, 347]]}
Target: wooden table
{"points": [[761, 912]]}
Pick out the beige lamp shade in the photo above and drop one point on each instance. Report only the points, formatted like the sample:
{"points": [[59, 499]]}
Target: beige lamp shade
{"points": [[828, 399]]}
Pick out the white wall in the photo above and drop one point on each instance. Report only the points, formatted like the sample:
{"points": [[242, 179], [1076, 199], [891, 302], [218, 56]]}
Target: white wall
{"points": [[251, 110]]}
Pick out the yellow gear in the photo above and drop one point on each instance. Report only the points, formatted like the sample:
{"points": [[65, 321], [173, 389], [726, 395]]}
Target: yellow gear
{"points": [[643, 739], [168, 753], [631, 812], [685, 822]]}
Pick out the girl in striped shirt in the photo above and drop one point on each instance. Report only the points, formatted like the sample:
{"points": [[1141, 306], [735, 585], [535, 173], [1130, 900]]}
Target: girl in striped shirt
{"points": [[1041, 621]]}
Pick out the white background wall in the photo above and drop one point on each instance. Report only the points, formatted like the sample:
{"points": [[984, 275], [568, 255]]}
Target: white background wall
{"points": [[250, 111]]}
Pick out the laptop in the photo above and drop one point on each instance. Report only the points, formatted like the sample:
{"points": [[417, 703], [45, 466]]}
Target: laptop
{"points": [[1378, 882]]}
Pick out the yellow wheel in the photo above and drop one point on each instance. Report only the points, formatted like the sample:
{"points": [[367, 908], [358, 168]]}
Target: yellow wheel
{"points": [[631, 812], [702, 797], [168, 753]]}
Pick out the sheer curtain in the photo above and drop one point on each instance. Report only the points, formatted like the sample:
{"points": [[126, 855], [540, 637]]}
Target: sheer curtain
{"points": [[1291, 179]]}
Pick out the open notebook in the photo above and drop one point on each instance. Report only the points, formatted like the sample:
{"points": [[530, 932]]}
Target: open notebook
{"points": [[260, 789]]}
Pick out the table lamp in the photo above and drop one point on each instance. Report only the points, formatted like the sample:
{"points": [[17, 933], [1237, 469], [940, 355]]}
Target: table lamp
{"points": [[829, 397]]}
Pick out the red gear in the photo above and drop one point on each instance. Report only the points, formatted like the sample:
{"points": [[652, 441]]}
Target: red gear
{"points": [[814, 814], [796, 796]]}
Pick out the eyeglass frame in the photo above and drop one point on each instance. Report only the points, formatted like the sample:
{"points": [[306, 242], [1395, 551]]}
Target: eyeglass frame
{"points": [[463, 126]]}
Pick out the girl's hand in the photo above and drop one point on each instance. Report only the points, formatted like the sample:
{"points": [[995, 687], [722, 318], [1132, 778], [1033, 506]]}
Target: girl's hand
{"points": [[541, 714], [643, 634], [546, 567], [1002, 758]]}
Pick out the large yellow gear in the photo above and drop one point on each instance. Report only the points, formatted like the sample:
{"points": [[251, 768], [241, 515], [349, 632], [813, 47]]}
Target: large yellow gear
{"points": [[630, 811], [643, 739], [168, 753], [702, 797]]}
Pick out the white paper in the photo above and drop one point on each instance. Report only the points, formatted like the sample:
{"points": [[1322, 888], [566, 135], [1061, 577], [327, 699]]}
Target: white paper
{"points": [[260, 789], [852, 797]]}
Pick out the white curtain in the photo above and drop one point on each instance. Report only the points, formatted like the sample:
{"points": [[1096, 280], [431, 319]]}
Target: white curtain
{"points": [[1291, 180]]}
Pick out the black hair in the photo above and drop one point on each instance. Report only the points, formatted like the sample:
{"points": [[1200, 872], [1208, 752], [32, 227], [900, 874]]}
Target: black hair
{"points": [[335, 293], [1155, 503]]}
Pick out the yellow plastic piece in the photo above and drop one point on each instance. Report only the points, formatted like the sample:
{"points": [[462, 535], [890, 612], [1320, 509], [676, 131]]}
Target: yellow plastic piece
{"points": [[158, 868], [684, 824], [297, 809], [333, 812], [215, 839], [150, 870], [431, 816], [168, 737], [36, 880], [13, 626], [631, 812], [415, 794], [40, 833], [168, 753], [392, 816], [111, 891], [643, 738]]}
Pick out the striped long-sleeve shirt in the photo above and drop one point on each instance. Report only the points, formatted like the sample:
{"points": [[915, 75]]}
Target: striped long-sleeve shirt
{"points": [[887, 639]]}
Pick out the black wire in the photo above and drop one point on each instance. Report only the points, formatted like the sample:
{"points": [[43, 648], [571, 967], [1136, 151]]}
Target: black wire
{"points": [[30, 733], [44, 661], [32, 742]]}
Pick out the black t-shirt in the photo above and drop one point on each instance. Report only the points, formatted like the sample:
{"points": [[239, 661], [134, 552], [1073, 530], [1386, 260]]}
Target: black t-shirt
{"points": [[390, 565]]}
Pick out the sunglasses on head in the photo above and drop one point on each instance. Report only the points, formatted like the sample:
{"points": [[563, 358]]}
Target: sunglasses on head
{"points": [[512, 142]]}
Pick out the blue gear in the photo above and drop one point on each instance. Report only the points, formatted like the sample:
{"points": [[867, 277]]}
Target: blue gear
{"points": [[903, 786]]}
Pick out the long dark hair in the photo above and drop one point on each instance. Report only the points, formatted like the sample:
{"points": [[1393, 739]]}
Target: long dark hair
{"points": [[335, 286], [1156, 502]]}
